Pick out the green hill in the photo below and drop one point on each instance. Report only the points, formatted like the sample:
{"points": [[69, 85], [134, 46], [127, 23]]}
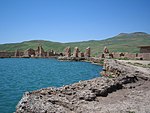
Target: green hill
{"points": [[124, 42]]}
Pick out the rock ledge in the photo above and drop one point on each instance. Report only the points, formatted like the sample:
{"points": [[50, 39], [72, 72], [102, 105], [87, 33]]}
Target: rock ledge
{"points": [[99, 95]]}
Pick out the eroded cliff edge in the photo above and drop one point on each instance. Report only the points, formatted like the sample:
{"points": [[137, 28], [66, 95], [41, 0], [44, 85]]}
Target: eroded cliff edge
{"points": [[128, 92]]}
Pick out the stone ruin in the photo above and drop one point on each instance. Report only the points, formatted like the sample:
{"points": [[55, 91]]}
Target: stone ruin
{"points": [[5, 54], [29, 53], [106, 52], [50, 53], [68, 52], [124, 55], [17, 53], [81, 54], [76, 52], [87, 52], [40, 52]]}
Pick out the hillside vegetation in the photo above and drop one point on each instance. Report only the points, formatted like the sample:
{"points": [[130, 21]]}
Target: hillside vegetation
{"points": [[123, 42]]}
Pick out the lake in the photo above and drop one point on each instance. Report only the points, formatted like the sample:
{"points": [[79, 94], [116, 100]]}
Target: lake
{"points": [[18, 75]]}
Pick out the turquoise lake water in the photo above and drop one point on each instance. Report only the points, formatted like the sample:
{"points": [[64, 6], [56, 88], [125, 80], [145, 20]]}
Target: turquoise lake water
{"points": [[20, 75]]}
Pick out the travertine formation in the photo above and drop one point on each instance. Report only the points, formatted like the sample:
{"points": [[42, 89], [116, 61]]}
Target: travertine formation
{"points": [[128, 92]]}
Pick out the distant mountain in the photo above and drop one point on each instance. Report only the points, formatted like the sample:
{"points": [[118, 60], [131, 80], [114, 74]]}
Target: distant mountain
{"points": [[124, 42]]}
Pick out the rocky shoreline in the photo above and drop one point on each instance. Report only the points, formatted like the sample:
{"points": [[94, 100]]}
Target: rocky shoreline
{"points": [[124, 90]]}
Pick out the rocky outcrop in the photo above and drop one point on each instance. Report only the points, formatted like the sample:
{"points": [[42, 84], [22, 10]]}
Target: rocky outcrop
{"points": [[99, 95]]}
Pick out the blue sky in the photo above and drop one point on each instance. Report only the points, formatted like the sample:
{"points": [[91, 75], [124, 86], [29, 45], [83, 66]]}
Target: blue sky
{"points": [[71, 20]]}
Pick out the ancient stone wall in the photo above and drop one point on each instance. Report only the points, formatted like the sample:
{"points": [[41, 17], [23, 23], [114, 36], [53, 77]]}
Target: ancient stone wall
{"points": [[51, 53], [116, 55], [6, 54], [145, 49], [18, 53], [130, 55], [81, 54], [40, 52], [144, 56], [29, 52]]}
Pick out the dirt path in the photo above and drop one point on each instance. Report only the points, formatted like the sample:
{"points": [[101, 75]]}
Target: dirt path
{"points": [[141, 65]]}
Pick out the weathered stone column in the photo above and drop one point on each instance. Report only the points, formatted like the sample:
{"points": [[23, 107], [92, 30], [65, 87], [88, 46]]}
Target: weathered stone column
{"points": [[40, 52], [47, 54], [106, 52], [17, 53], [68, 52], [87, 52], [76, 52]]}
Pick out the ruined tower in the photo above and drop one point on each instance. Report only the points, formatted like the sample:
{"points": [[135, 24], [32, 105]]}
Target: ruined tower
{"points": [[76, 52], [87, 52], [68, 52]]}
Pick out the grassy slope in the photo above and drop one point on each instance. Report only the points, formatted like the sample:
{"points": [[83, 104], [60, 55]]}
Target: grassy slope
{"points": [[119, 43]]}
